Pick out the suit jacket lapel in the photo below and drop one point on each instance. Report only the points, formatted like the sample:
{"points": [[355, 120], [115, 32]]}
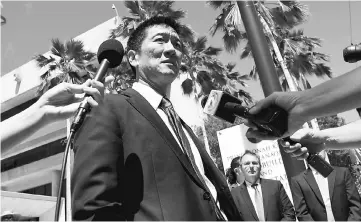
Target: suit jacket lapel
{"points": [[145, 109], [265, 197], [331, 183], [310, 179], [247, 198], [218, 179]]}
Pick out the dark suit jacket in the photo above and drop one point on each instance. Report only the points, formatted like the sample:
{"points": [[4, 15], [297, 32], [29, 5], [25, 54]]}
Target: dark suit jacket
{"points": [[277, 205], [345, 200], [128, 166]]}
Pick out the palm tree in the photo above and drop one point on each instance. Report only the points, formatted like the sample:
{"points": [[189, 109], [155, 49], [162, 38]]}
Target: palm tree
{"points": [[285, 16], [203, 67], [143, 10], [66, 63], [301, 60]]}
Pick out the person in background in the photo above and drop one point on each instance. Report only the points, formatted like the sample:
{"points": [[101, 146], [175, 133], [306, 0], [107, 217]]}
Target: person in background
{"points": [[334, 198], [234, 174], [259, 199], [58, 103]]}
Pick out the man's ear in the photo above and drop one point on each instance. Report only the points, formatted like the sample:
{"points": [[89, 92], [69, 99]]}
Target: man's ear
{"points": [[236, 170], [133, 58]]}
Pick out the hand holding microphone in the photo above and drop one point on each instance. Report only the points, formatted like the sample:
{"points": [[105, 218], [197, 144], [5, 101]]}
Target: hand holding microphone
{"points": [[271, 120], [110, 55]]}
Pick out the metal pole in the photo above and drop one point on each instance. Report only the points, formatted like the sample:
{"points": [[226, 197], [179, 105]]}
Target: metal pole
{"points": [[266, 70]]}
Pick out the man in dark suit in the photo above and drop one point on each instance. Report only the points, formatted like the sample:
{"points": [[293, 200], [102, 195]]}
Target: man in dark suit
{"points": [[334, 198], [259, 199], [135, 159]]}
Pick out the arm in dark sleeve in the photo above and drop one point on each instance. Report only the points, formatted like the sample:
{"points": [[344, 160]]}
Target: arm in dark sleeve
{"points": [[353, 198], [301, 208], [95, 179], [288, 213]]}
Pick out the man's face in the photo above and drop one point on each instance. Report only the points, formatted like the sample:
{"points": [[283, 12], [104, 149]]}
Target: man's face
{"points": [[160, 56], [250, 167]]}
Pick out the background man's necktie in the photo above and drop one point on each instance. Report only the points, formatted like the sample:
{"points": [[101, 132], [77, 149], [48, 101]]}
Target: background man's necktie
{"points": [[176, 124], [259, 203]]}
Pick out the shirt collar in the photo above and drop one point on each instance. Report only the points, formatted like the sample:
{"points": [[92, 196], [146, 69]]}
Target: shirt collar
{"points": [[248, 184], [148, 93]]}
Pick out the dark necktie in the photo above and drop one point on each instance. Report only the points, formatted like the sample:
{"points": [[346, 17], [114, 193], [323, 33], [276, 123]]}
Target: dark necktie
{"points": [[176, 124], [259, 202]]}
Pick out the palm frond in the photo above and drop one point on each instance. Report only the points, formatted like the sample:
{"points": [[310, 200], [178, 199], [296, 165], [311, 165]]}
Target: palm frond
{"points": [[219, 23], [234, 16], [232, 39], [217, 4], [200, 44], [57, 48], [42, 61], [246, 52], [290, 14], [74, 49], [186, 33], [212, 51], [133, 8]]}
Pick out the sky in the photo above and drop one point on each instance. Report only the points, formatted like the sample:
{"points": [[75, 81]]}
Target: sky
{"points": [[31, 25]]}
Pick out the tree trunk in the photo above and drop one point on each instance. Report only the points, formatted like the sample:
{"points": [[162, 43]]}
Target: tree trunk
{"points": [[292, 83]]}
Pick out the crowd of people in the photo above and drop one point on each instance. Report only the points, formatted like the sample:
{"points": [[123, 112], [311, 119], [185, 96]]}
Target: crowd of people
{"points": [[315, 198], [136, 159]]}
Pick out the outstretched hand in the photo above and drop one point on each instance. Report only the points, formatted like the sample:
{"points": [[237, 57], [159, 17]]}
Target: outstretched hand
{"points": [[62, 101], [285, 100], [308, 141]]}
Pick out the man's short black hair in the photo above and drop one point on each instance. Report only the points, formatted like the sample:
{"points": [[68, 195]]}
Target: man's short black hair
{"points": [[137, 37]]}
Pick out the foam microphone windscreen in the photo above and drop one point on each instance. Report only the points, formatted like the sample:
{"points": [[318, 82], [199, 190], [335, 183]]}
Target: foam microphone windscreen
{"points": [[112, 50]]}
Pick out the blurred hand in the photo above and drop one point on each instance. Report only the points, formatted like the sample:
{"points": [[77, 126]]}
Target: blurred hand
{"points": [[308, 141], [286, 100], [62, 101]]}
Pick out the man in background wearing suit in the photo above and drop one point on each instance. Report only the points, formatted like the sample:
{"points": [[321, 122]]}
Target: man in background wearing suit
{"points": [[334, 198], [259, 199], [135, 158]]}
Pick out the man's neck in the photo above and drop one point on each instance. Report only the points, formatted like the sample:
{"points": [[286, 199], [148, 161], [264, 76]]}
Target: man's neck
{"points": [[164, 91], [252, 182]]}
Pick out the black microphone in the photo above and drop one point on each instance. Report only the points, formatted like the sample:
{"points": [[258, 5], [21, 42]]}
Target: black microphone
{"points": [[273, 120], [110, 55], [352, 53]]}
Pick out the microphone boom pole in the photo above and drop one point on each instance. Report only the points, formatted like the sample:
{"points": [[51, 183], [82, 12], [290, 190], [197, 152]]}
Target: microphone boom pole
{"points": [[266, 70]]}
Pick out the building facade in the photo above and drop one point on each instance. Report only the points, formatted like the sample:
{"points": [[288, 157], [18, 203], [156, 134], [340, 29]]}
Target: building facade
{"points": [[30, 171]]}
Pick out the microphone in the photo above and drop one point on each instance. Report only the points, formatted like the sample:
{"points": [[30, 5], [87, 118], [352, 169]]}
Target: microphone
{"points": [[110, 55], [273, 120]]}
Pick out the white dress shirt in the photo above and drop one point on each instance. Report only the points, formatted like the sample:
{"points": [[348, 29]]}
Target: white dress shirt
{"points": [[154, 100], [252, 193], [322, 183]]}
